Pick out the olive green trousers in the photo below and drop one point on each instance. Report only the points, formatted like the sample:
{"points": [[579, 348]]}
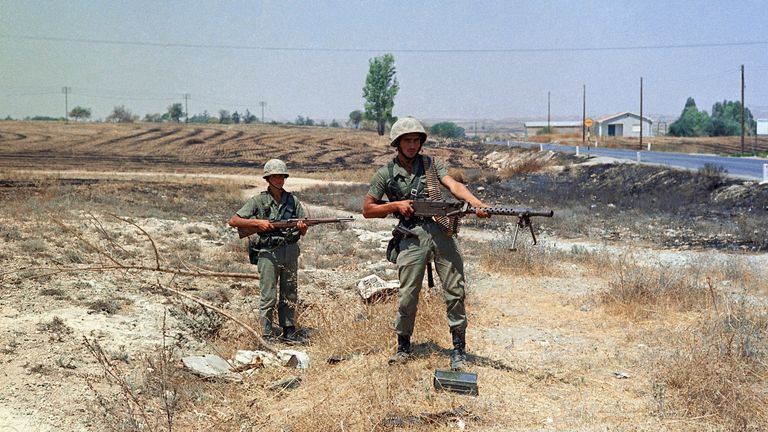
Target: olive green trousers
{"points": [[278, 283], [432, 244]]}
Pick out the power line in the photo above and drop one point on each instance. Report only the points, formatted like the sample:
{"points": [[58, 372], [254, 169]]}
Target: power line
{"points": [[396, 50]]}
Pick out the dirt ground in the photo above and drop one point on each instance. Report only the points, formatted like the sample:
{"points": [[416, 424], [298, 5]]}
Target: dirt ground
{"points": [[548, 354]]}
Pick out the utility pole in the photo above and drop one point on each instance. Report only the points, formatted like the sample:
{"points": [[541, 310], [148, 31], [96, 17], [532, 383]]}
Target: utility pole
{"points": [[642, 123], [549, 129], [66, 91], [262, 104], [742, 109], [583, 113], [186, 107]]}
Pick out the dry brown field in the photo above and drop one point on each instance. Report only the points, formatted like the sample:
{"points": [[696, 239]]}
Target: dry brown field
{"points": [[624, 318], [179, 147]]}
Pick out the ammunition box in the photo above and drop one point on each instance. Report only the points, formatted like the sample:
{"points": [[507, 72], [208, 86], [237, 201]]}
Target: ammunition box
{"points": [[454, 381]]}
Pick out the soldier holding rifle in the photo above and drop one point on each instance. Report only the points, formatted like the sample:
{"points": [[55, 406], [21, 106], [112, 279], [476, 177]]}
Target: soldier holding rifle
{"points": [[404, 179], [276, 251]]}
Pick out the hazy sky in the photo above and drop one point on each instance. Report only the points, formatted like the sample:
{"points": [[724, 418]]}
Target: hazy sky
{"points": [[454, 59]]}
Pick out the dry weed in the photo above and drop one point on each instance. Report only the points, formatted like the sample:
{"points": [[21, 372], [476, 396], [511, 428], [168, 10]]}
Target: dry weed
{"points": [[525, 166], [717, 370], [523, 259], [350, 386], [639, 291]]}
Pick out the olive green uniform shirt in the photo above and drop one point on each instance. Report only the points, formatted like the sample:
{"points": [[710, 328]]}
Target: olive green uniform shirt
{"points": [[432, 244], [276, 254]]}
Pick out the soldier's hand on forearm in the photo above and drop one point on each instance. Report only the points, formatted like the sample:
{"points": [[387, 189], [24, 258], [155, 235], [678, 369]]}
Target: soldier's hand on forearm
{"points": [[302, 227], [404, 207], [480, 209], [262, 225]]}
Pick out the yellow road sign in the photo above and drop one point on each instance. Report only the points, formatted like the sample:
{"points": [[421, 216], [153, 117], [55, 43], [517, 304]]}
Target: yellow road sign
{"points": [[588, 122]]}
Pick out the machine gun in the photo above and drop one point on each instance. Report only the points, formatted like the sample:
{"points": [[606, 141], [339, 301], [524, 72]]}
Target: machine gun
{"points": [[291, 223], [430, 208]]}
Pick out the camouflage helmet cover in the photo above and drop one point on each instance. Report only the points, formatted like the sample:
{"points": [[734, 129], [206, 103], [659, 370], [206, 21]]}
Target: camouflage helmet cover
{"points": [[404, 126], [275, 166]]}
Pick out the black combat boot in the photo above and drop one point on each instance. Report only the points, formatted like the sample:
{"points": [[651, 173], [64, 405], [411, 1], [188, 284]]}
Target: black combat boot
{"points": [[403, 353], [458, 356], [290, 335]]}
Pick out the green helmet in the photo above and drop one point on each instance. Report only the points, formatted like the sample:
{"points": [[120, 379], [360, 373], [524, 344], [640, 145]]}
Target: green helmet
{"points": [[275, 166], [404, 126]]}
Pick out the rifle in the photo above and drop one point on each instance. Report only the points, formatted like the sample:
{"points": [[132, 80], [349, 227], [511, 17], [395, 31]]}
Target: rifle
{"points": [[429, 208], [291, 223]]}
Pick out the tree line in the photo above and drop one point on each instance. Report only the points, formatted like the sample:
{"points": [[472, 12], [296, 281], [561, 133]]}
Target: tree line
{"points": [[379, 91], [724, 121]]}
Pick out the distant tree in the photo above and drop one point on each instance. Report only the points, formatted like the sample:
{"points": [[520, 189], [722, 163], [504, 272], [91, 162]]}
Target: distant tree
{"points": [[380, 90], [546, 130], [154, 118], [79, 113], [334, 124], [120, 114], [225, 117], [248, 117], [726, 119], [355, 118], [692, 122], [302, 121], [200, 118], [8, 118], [236, 117], [44, 118], [176, 112], [447, 130]]}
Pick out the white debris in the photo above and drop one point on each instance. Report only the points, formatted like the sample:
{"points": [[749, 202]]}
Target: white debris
{"points": [[373, 285], [285, 358], [302, 359], [211, 366]]}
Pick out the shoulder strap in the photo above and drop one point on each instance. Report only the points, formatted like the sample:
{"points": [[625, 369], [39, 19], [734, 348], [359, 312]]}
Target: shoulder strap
{"points": [[290, 204]]}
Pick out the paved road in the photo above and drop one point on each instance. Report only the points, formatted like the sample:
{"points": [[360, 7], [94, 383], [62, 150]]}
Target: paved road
{"points": [[748, 168]]}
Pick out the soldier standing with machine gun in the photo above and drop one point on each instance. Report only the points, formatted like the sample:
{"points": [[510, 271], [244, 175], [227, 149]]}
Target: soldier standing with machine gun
{"points": [[276, 251], [402, 180]]}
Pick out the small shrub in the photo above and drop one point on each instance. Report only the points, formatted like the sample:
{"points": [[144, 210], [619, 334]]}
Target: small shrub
{"points": [[73, 257], [526, 166], [10, 234], [34, 245], [197, 320], [712, 369], [120, 355], [56, 327], [524, 259], [634, 288], [110, 306], [56, 293], [712, 176]]}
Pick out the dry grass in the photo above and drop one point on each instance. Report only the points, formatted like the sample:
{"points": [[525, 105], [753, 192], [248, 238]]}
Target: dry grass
{"points": [[705, 371], [713, 370], [525, 166], [639, 291], [717, 370], [525, 259]]}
